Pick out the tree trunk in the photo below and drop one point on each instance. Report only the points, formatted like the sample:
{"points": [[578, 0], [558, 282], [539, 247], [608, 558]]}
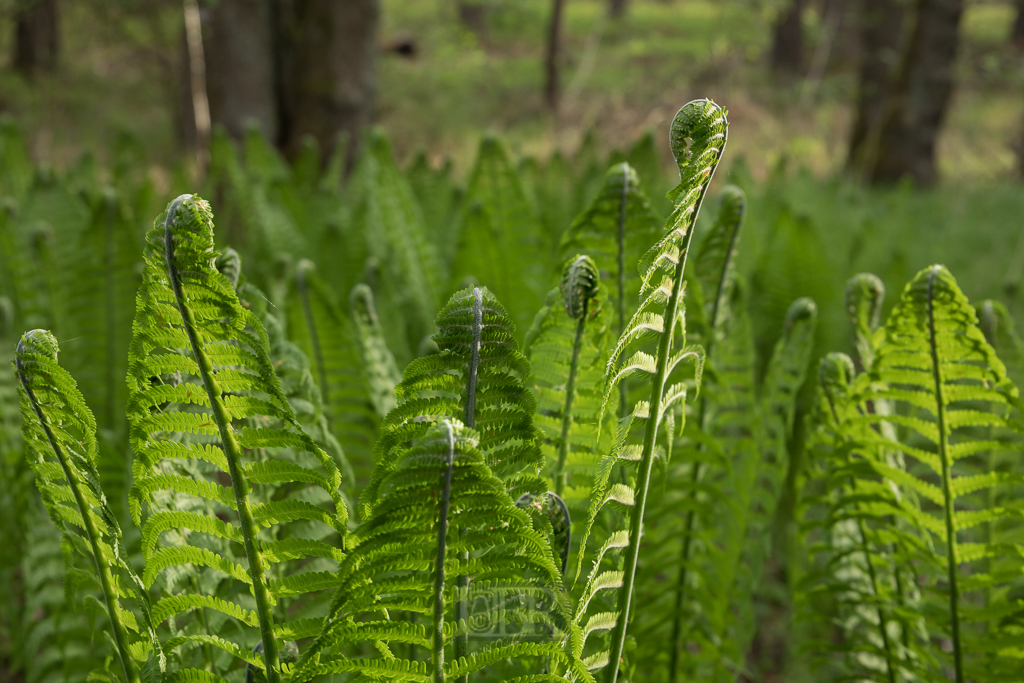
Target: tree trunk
{"points": [[788, 39], [616, 8], [1017, 33], [917, 104], [36, 36], [239, 44], [880, 25], [553, 56], [326, 71]]}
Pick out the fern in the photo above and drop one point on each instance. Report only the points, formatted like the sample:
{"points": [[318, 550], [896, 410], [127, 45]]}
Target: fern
{"points": [[318, 326], [60, 433], [952, 409], [567, 349], [477, 377], [434, 520], [698, 136], [190, 324], [379, 367], [500, 241]]}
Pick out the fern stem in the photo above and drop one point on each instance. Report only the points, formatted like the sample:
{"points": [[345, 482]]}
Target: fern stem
{"points": [[232, 452], [621, 236], [691, 517], [644, 470], [570, 392], [947, 482], [442, 545], [131, 673], [472, 379]]}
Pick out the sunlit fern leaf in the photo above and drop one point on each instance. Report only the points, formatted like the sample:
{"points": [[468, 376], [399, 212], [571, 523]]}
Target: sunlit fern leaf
{"points": [[318, 326], [388, 217], [698, 135], [567, 348], [440, 513], [500, 237], [60, 433], [478, 377], [378, 365], [858, 587], [956, 406], [226, 414], [616, 230]]}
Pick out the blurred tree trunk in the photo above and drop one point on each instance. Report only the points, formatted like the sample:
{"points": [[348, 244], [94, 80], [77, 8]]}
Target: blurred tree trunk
{"points": [[553, 56], [880, 25], [36, 36], [919, 98], [240, 66], [1017, 33], [616, 8], [326, 51], [788, 39]]}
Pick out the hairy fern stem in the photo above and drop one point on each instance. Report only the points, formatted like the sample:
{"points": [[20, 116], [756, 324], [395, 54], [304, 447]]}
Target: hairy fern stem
{"points": [[442, 546], [232, 452], [131, 673], [947, 482]]}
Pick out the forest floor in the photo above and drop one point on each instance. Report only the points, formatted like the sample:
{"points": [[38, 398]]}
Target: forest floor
{"points": [[120, 74]]}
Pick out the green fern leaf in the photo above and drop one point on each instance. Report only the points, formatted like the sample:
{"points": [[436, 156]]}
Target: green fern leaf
{"points": [[59, 428], [223, 398], [698, 136], [433, 522]]}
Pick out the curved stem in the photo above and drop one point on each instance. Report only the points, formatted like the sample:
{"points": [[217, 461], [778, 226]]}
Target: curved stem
{"points": [[947, 481], [232, 452], [570, 392], [442, 546], [131, 673]]}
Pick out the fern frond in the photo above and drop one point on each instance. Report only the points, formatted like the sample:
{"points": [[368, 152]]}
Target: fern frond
{"points": [[435, 520], [865, 294], [379, 367], [318, 326], [222, 395], [59, 428], [698, 136], [500, 237], [566, 347], [477, 376]]}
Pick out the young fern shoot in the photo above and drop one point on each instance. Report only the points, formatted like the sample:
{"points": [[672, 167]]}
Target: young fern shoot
{"points": [[190, 327], [60, 433], [698, 136]]}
